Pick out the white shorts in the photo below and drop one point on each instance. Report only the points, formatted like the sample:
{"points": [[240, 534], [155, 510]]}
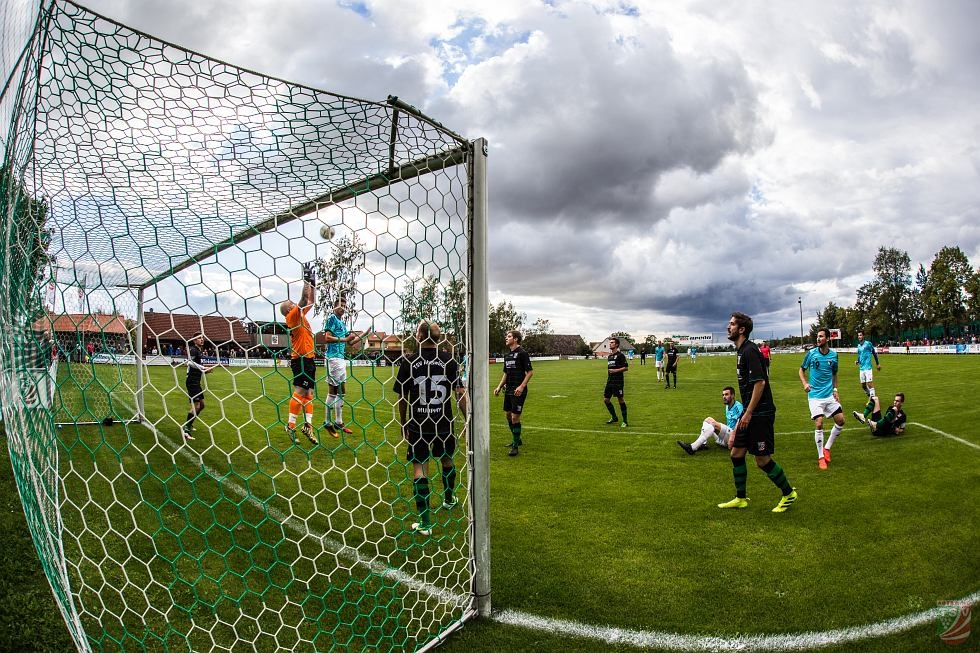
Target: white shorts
{"points": [[824, 407], [724, 433], [660, 363], [866, 376], [336, 371]]}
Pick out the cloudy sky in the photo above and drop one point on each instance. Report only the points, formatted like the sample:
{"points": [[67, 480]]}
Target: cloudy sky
{"points": [[656, 165]]}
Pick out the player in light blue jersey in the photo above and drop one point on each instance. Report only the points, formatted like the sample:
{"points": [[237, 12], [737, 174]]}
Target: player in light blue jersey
{"points": [[865, 352], [337, 336], [711, 428], [658, 354], [821, 388], [693, 351]]}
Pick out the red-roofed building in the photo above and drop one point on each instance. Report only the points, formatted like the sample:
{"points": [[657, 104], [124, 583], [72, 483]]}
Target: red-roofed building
{"points": [[225, 336], [78, 334]]}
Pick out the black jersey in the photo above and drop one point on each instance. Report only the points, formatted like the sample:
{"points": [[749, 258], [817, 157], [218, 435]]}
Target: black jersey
{"points": [[428, 381], [615, 362], [751, 368], [194, 365], [517, 363], [672, 357], [891, 422]]}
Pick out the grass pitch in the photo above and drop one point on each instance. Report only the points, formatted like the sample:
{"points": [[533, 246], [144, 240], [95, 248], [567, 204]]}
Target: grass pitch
{"points": [[601, 527]]}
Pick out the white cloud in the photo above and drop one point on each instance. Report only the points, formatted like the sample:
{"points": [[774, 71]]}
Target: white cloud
{"points": [[662, 165]]}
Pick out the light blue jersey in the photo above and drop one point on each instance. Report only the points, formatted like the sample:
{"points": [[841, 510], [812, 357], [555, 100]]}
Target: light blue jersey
{"points": [[733, 414], [822, 368], [866, 352], [337, 327], [659, 353]]}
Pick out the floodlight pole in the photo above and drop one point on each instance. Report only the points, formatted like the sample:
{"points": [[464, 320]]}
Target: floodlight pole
{"points": [[800, 302], [479, 379]]}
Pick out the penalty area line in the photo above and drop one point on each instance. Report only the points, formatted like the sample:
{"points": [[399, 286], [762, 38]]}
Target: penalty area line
{"points": [[680, 642]]}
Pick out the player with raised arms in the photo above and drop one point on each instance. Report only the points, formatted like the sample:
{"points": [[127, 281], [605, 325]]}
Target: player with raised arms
{"points": [[302, 360]]}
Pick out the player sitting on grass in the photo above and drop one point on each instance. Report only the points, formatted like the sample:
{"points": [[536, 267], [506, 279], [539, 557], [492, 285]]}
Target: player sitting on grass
{"points": [[891, 423], [711, 428]]}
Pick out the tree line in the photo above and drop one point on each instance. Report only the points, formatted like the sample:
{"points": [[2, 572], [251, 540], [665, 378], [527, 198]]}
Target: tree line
{"points": [[941, 301]]}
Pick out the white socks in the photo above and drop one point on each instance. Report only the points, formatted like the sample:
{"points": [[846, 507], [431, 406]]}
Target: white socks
{"points": [[834, 432]]}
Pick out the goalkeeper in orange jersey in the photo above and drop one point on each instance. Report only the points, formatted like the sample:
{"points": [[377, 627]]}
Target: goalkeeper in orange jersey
{"points": [[303, 364]]}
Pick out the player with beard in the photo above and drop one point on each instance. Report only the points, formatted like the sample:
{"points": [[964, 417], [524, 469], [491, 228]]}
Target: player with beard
{"points": [[616, 366], [755, 432]]}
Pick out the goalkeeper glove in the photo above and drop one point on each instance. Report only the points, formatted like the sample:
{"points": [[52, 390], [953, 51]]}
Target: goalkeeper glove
{"points": [[309, 274]]}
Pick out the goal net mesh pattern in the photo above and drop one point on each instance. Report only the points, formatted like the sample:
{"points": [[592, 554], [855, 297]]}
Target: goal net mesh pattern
{"points": [[149, 193]]}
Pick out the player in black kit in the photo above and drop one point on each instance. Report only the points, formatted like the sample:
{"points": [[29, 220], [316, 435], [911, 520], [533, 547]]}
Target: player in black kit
{"points": [[517, 374], [195, 371], [425, 385], [755, 431], [616, 366], [671, 365]]}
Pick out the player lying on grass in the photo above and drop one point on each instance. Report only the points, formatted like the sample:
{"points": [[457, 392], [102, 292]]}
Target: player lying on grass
{"points": [[891, 423], [711, 428]]}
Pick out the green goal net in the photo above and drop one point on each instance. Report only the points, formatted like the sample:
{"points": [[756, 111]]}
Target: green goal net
{"points": [[157, 208]]}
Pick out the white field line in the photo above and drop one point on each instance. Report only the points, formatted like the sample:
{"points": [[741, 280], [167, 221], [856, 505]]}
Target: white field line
{"points": [[680, 642], [677, 642], [636, 638], [301, 528], [947, 435]]}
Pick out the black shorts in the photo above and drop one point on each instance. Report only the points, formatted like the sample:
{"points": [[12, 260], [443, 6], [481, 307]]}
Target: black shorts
{"points": [[513, 403], [760, 437], [671, 367], [614, 389], [195, 392], [304, 372], [422, 446]]}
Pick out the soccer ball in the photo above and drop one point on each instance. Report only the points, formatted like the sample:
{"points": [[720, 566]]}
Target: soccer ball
{"points": [[327, 232]]}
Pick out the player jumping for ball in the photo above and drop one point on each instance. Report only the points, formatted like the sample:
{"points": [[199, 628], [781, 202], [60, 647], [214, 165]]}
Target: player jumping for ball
{"points": [[303, 364]]}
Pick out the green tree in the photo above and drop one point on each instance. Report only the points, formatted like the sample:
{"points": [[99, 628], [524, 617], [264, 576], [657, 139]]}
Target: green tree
{"points": [[944, 294], [419, 301], [27, 260], [538, 336], [622, 335], [337, 275], [917, 308], [503, 318], [893, 280], [454, 309], [427, 298], [972, 289], [831, 317]]}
